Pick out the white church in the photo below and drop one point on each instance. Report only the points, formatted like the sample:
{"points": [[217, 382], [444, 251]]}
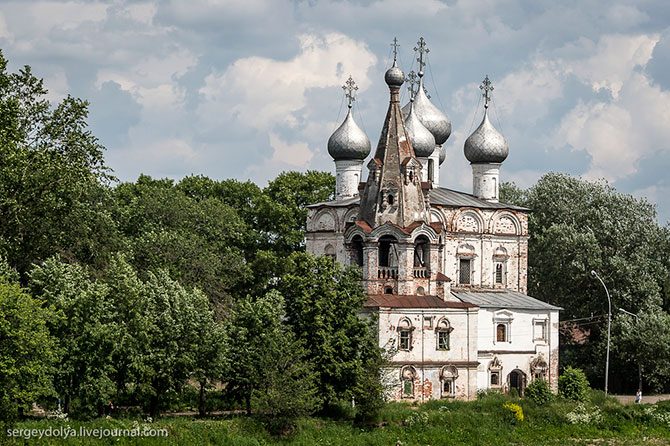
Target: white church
{"points": [[445, 271]]}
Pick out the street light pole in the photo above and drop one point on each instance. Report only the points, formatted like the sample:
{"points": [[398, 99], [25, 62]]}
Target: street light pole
{"points": [[609, 323], [639, 364]]}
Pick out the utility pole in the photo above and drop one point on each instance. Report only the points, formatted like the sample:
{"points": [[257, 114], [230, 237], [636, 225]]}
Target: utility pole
{"points": [[609, 323]]}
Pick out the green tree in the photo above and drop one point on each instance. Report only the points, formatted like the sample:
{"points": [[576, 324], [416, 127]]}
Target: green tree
{"points": [[81, 322], [644, 342], [324, 302], [53, 194], [26, 348], [573, 385], [267, 366], [179, 335]]}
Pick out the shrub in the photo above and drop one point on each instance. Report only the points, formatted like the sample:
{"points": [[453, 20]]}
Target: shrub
{"points": [[516, 410], [585, 415], [573, 385], [539, 392]]}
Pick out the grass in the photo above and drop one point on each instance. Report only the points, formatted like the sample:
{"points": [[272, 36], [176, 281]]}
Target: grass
{"points": [[481, 422]]}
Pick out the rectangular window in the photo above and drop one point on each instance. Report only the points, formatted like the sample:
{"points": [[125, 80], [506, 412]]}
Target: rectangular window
{"points": [[540, 330], [464, 272], [501, 333], [448, 388], [405, 340], [443, 340], [495, 378]]}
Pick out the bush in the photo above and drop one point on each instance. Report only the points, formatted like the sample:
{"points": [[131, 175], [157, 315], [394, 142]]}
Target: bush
{"points": [[516, 410], [573, 385], [539, 392]]}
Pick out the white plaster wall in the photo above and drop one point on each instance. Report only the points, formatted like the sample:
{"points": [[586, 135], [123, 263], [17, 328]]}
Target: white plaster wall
{"points": [[347, 178], [485, 181]]}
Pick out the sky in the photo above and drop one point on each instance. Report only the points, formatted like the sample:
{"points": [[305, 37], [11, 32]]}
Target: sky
{"points": [[247, 89]]}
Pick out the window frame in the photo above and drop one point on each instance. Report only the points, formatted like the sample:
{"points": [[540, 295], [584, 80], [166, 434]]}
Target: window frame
{"points": [[461, 262], [544, 330]]}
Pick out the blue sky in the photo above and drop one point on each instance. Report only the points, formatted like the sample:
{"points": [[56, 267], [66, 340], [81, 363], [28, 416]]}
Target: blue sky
{"points": [[249, 88]]}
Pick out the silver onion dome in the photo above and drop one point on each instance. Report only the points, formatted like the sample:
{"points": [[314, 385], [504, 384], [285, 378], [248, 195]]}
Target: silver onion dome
{"points": [[486, 144], [394, 76], [423, 141], [430, 116], [443, 154], [349, 142]]}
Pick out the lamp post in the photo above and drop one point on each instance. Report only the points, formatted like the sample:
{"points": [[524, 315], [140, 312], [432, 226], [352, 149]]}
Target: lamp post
{"points": [[609, 323], [639, 364]]}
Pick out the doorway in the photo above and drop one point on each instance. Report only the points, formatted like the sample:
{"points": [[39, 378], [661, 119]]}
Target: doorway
{"points": [[517, 380]]}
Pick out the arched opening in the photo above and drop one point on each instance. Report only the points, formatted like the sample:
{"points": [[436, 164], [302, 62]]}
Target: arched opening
{"points": [[388, 257], [443, 330], [390, 199], [388, 290], [329, 252], [421, 256], [448, 376], [405, 335], [357, 250], [407, 377], [517, 380], [431, 170]]}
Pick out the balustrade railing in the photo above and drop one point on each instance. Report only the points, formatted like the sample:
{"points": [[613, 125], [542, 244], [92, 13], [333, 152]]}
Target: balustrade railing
{"points": [[387, 272]]}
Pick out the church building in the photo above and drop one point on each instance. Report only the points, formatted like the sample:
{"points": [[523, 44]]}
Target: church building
{"points": [[445, 271]]}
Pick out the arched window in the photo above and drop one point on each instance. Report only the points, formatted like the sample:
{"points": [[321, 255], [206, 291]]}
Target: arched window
{"points": [[538, 367], [405, 335], [443, 330], [388, 290], [357, 250], [431, 170], [448, 376], [500, 266], [465, 254], [421, 256], [494, 372], [388, 251], [407, 377], [329, 251]]}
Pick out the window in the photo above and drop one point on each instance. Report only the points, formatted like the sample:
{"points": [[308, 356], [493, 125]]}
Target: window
{"points": [[495, 379], [407, 377], [499, 273], [448, 376], [443, 329], [405, 335], [431, 170], [388, 252], [390, 199], [357, 250], [464, 271], [501, 333], [540, 330], [538, 367], [388, 290], [428, 322], [421, 251], [405, 339]]}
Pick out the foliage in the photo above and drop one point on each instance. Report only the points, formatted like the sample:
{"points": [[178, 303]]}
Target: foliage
{"points": [[323, 302], [516, 410], [573, 385], [26, 349], [645, 341], [583, 414], [82, 324], [539, 392], [181, 325], [267, 366], [53, 194]]}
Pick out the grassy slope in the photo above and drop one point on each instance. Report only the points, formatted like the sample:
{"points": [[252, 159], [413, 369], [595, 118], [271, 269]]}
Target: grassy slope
{"points": [[483, 422]]}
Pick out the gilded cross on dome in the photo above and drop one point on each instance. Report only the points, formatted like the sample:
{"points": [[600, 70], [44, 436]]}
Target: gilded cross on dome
{"points": [[422, 49], [486, 88], [395, 46], [349, 88]]}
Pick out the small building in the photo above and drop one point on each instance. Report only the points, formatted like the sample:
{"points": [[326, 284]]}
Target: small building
{"points": [[445, 271]]}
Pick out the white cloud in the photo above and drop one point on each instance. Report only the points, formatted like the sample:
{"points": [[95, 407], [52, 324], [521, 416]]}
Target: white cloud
{"points": [[261, 92]]}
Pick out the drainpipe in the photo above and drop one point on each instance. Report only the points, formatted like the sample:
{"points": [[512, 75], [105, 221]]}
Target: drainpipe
{"points": [[423, 372], [467, 368]]}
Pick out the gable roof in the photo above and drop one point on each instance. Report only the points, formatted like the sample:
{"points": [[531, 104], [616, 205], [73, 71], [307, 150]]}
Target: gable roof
{"points": [[502, 299], [440, 196], [411, 301]]}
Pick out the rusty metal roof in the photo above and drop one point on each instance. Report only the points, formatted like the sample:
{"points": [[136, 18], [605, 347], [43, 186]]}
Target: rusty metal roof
{"points": [[502, 299], [407, 301]]}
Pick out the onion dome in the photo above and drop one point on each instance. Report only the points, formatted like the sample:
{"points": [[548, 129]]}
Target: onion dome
{"points": [[349, 142], [394, 76], [423, 141], [430, 116], [486, 144], [443, 154]]}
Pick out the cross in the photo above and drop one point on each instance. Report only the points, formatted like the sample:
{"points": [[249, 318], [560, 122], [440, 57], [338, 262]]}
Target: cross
{"points": [[487, 88], [395, 46], [411, 82], [349, 88], [422, 49]]}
